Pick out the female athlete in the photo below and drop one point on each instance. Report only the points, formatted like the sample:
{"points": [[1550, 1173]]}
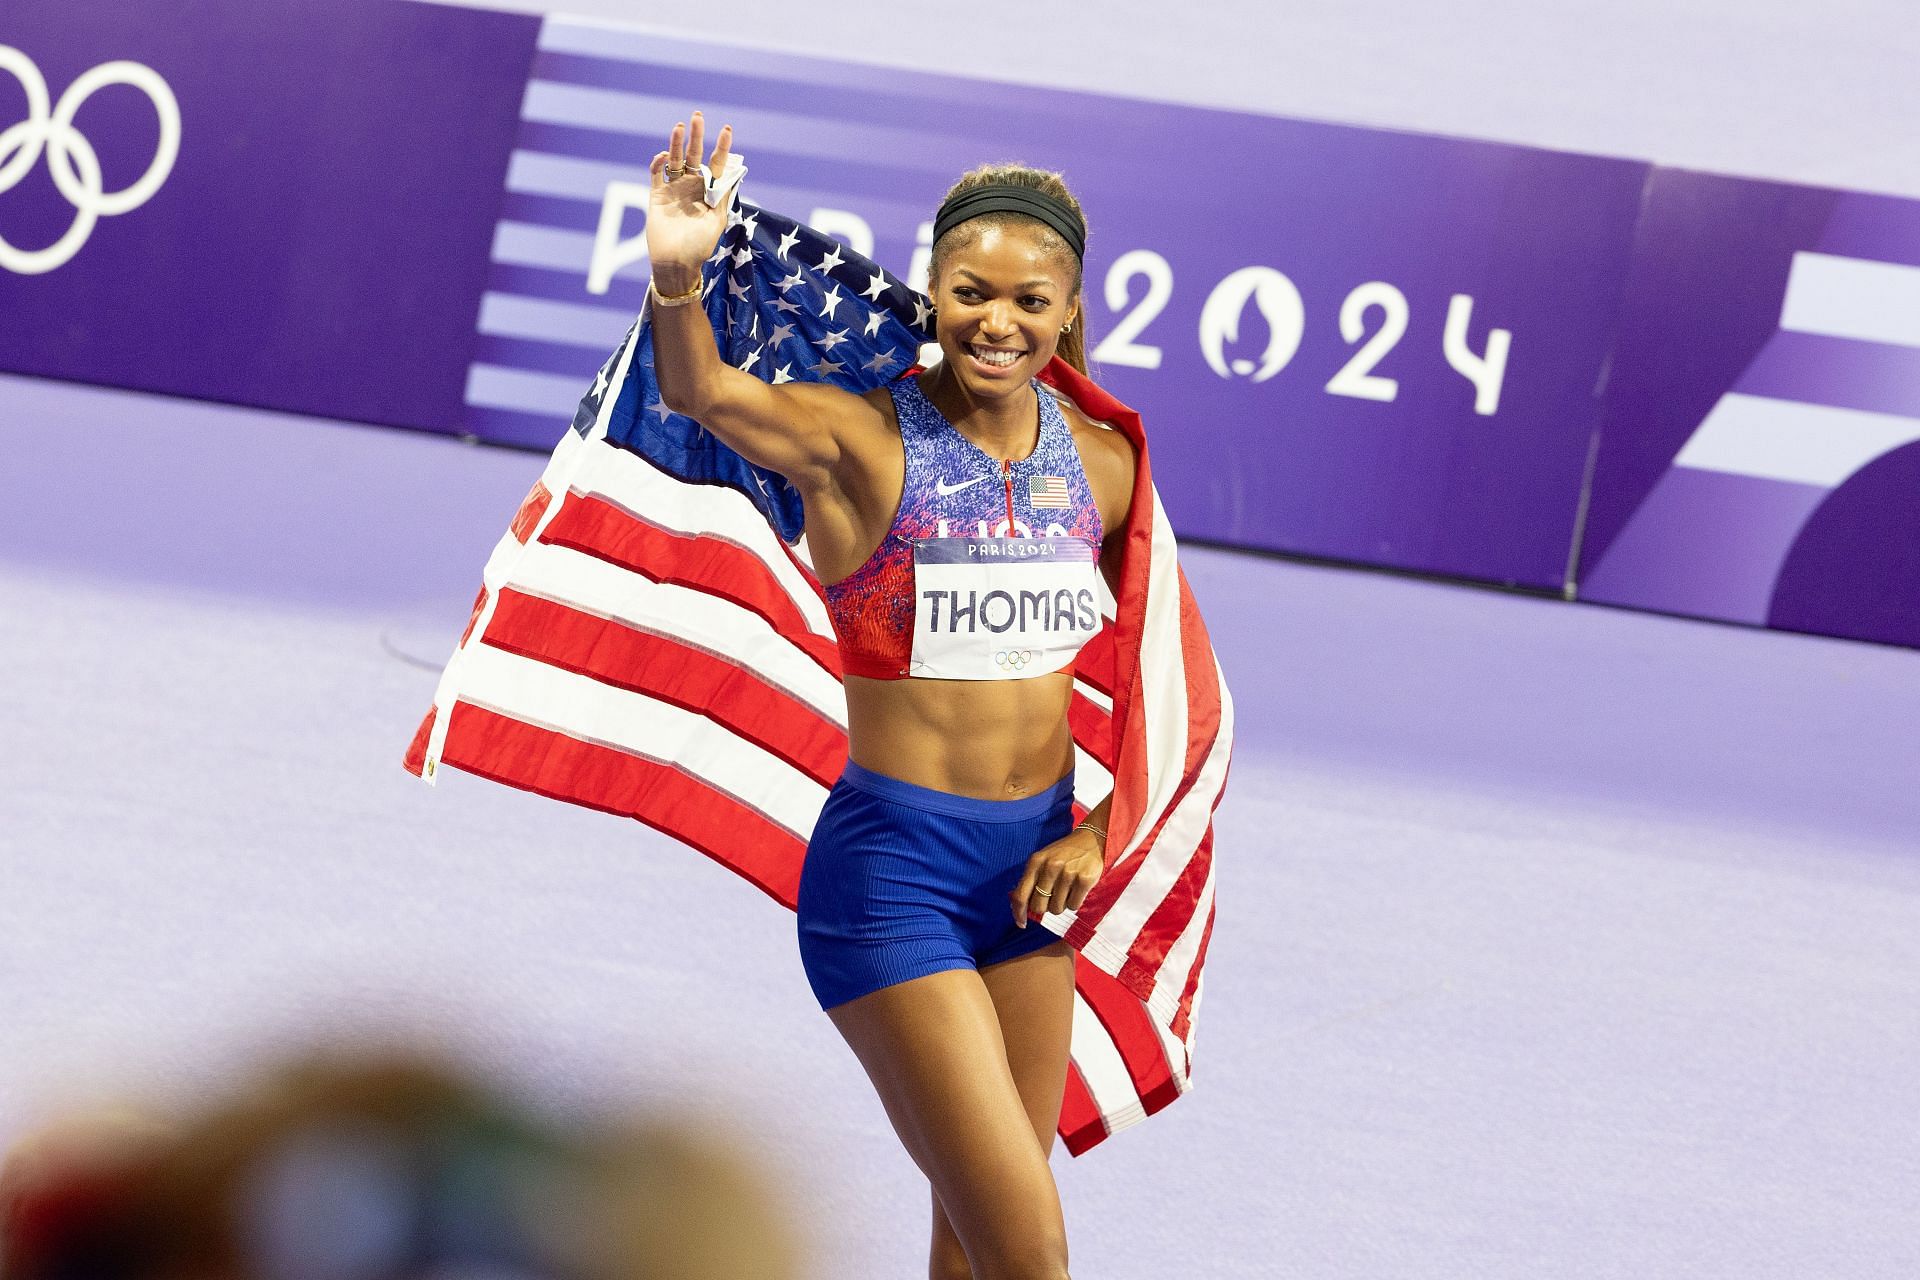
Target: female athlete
{"points": [[958, 519]]}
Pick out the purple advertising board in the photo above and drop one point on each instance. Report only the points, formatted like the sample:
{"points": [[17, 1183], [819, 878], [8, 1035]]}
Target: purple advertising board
{"points": [[1445, 356], [1760, 461], [284, 203], [1348, 343]]}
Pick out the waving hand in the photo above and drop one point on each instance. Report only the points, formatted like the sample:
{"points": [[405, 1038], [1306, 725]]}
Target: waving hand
{"points": [[682, 228]]}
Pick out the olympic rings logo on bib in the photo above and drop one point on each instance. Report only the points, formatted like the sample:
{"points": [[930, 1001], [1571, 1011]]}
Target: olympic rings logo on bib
{"points": [[1013, 659], [71, 159]]}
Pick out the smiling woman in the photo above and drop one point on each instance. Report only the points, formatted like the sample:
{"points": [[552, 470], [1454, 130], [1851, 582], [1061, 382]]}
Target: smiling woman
{"points": [[961, 520], [1031, 202]]}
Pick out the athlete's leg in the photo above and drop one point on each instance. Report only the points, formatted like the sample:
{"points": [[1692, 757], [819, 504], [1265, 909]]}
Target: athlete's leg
{"points": [[1033, 1003], [934, 1051]]}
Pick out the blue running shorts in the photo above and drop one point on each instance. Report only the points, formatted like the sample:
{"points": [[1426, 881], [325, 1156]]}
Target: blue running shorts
{"points": [[901, 881]]}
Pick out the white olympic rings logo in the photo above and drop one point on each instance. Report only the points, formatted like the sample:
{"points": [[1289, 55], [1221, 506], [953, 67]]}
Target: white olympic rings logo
{"points": [[1013, 659], [74, 163]]}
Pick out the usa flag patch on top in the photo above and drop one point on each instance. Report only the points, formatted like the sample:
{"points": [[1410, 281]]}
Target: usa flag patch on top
{"points": [[1048, 491]]}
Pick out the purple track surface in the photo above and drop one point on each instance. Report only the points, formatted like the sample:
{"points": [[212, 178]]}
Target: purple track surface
{"points": [[1554, 941]]}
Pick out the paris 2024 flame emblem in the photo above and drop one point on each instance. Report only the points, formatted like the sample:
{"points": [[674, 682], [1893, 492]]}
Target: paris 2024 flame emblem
{"points": [[72, 159]]}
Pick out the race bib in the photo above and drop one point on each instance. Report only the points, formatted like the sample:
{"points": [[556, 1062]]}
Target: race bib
{"points": [[1001, 608]]}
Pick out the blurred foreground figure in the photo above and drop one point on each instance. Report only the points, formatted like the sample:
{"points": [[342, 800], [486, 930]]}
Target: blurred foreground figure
{"points": [[378, 1170]]}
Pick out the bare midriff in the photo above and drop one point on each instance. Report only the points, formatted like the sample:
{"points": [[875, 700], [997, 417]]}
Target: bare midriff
{"points": [[988, 739]]}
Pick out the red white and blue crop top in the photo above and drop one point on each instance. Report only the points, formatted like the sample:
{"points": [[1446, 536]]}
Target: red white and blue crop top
{"points": [[989, 571]]}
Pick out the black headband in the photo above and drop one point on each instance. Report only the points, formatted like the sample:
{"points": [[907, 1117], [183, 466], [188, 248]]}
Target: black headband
{"points": [[1004, 197]]}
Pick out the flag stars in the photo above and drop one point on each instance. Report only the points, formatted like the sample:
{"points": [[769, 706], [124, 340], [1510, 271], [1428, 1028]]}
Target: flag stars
{"points": [[659, 408], [921, 312], [742, 256], [875, 287], [787, 242], [827, 368], [830, 300], [874, 320], [750, 225], [783, 374], [879, 363], [832, 260], [829, 341], [786, 284], [779, 335], [781, 304], [746, 366], [738, 288]]}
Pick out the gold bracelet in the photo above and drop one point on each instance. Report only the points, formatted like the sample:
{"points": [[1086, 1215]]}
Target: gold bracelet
{"points": [[1088, 826], [675, 299]]}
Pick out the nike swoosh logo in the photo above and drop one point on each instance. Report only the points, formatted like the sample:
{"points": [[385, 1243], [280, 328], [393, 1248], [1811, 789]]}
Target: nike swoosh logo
{"points": [[942, 488]]}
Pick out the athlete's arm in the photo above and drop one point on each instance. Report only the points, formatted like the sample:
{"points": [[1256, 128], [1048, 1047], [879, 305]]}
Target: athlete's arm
{"points": [[797, 429]]}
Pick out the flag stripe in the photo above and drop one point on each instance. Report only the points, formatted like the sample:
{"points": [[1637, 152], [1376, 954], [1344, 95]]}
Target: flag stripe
{"points": [[1162, 740], [583, 708], [1185, 826], [1130, 1031], [593, 526], [709, 623], [528, 516], [1080, 1124], [1092, 730], [511, 750], [726, 692], [1102, 1069], [1174, 910], [1182, 1024], [633, 484]]}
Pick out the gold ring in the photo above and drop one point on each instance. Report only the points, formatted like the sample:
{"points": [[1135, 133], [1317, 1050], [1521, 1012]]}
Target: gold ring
{"points": [[1045, 893]]}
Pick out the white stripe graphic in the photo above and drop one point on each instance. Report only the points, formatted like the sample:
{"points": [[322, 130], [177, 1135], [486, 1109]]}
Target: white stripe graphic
{"points": [[540, 173], [789, 132], [525, 244], [1853, 298], [583, 708], [1813, 444], [510, 315], [494, 386]]}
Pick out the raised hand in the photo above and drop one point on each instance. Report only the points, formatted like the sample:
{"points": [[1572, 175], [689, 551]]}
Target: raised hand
{"points": [[682, 228]]}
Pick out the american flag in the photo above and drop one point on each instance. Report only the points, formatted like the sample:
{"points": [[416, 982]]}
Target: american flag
{"points": [[650, 640], [1048, 491]]}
